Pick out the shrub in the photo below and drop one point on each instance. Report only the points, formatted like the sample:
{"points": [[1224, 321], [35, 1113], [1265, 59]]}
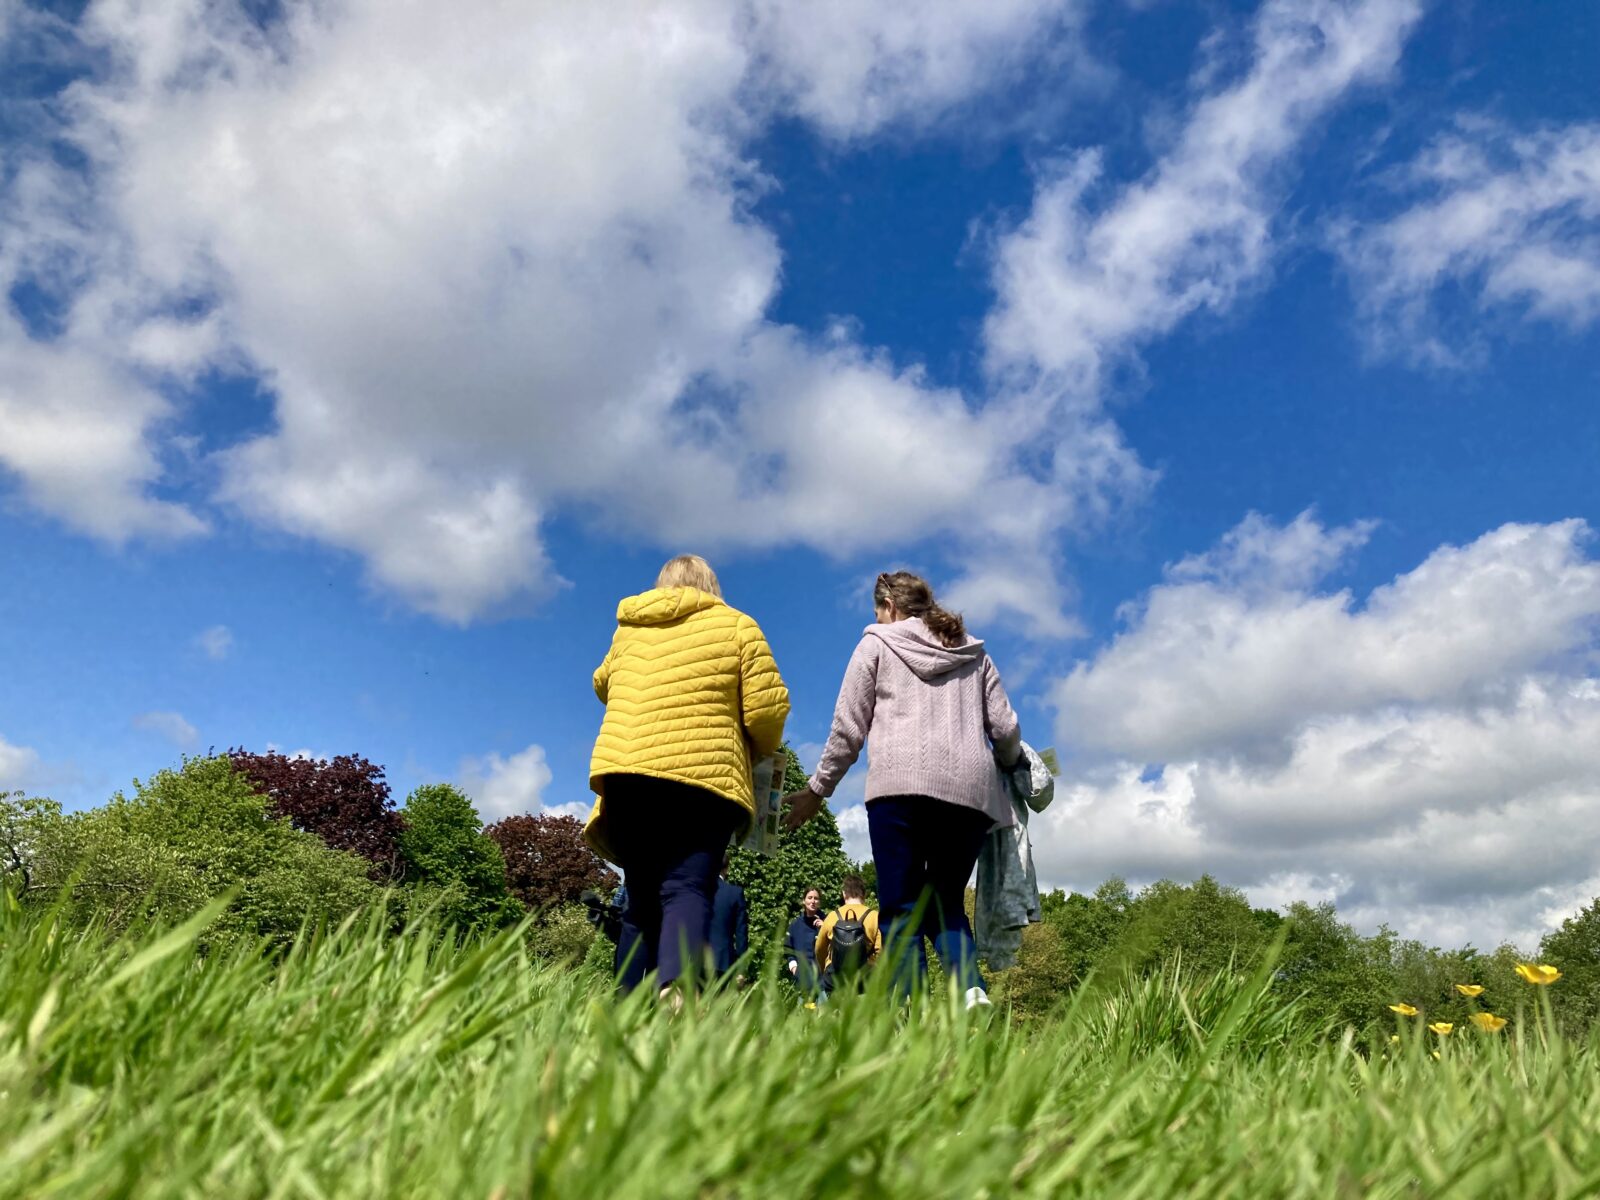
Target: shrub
{"points": [[547, 862], [562, 935], [1042, 976], [187, 836], [344, 801], [448, 856]]}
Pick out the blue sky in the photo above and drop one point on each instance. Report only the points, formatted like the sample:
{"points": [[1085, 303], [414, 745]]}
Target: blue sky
{"points": [[1233, 367]]}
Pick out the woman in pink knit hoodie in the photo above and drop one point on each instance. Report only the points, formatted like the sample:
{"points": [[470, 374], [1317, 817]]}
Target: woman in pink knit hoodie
{"points": [[931, 702]]}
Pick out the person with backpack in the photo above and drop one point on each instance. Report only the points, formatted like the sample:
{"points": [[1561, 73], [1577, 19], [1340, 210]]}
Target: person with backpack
{"points": [[692, 698], [849, 939], [931, 700]]}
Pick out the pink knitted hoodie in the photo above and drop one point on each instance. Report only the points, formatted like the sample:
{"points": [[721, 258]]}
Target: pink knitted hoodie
{"points": [[933, 713]]}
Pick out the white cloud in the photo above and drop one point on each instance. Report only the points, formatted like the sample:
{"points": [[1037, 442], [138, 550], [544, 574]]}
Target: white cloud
{"points": [[1235, 649], [216, 642], [851, 68], [508, 787], [852, 822], [1078, 286], [1429, 757], [169, 725], [18, 765], [1509, 219], [500, 266], [506, 266]]}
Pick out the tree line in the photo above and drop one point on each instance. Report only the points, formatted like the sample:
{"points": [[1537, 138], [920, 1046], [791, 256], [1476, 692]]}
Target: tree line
{"points": [[302, 842]]}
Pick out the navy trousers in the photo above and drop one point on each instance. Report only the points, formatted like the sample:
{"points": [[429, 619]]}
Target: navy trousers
{"points": [[669, 839], [925, 850]]}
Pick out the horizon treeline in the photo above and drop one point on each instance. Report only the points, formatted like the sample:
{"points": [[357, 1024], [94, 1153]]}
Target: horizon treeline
{"points": [[301, 843]]}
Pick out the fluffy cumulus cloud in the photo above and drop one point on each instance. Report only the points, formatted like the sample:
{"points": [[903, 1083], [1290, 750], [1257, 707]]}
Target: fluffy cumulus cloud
{"points": [[17, 765], [1507, 220], [506, 265], [512, 786], [169, 725], [488, 268], [1426, 755]]}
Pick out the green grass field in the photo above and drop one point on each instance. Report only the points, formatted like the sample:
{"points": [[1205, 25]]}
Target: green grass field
{"points": [[364, 1065]]}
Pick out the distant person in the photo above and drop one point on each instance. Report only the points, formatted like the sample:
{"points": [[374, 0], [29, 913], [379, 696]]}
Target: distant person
{"points": [[629, 963], [800, 943], [849, 940], [931, 700], [692, 695], [730, 922]]}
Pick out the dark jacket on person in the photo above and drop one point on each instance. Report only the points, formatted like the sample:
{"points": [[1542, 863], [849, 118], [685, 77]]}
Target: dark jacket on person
{"points": [[730, 925], [800, 947]]}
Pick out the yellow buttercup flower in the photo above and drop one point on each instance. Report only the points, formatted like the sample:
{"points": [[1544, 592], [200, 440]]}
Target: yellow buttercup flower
{"points": [[1540, 974], [1435, 1056], [1394, 1039], [1405, 1010], [1470, 989], [1488, 1022], [1442, 1028]]}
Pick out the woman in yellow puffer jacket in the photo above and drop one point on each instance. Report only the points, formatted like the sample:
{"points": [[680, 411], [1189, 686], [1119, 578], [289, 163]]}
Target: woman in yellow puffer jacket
{"points": [[692, 699]]}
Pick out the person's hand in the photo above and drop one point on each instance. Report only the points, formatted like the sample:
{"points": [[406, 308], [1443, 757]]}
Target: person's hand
{"points": [[799, 807], [794, 967]]}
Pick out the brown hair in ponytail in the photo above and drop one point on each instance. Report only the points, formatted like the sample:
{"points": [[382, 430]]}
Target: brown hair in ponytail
{"points": [[912, 597]]}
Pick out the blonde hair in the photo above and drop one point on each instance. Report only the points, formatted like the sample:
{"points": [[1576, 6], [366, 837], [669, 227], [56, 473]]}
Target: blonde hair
{"points": [[689, 570], [911, 595]]}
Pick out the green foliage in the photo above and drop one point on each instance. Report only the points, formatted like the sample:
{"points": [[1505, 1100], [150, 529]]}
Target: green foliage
{"points": [[1204, 925], [562, 936], [1344, 978], [185, 837], [31, 830], [1042, 978], [364, 1065], [811, 856], [1087, 926], [1575, 948], [451, 862]]}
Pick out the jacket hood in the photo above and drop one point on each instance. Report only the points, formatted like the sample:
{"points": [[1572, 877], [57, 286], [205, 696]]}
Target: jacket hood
{"points": [[660, 605], [922, 651]]}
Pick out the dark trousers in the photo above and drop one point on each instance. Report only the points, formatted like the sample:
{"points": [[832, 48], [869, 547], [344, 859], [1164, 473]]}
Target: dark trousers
{"points": [[669, 839], [630, 968], [925, 850]]}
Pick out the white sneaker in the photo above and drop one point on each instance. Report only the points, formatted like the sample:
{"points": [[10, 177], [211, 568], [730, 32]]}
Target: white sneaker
{"points": [[977, 998]]}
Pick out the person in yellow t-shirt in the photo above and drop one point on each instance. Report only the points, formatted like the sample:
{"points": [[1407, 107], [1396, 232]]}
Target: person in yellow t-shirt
{"points": [[849, 939]]}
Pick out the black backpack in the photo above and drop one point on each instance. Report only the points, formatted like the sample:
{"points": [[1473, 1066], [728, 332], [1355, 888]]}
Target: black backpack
{"points": [[851, 946]]}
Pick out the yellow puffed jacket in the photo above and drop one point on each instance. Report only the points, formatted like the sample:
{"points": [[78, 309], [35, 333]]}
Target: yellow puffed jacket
{"points": [[692, 694]]}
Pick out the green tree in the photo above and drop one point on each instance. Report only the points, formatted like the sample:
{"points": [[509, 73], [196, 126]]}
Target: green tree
{"points": [[1088, 926], [1204, 924], [451, 863], [811, 856], [1346, 979], [186, 836], [32, 831], [1575, 948]]}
